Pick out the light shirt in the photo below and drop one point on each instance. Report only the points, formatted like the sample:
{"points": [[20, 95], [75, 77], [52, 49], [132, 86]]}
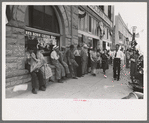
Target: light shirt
{"points": [[54, 55], [93, 56], [119, 55], [77, 53], [86, 51]]}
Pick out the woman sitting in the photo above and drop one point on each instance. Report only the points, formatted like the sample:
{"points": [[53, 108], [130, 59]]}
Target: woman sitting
{"points": [[37, 67]]}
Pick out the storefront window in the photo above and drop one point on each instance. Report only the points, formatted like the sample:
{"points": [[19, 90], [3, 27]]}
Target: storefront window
{"points": [[42, 17], [90, 23], [42, 28]]}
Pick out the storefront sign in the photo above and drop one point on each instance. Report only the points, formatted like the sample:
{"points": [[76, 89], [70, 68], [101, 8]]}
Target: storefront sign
{"points": [[29, 33], [97, 10], [42, 38]]}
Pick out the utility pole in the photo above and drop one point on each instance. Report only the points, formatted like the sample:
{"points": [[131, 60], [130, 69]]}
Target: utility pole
{"points": [[133, 43]]}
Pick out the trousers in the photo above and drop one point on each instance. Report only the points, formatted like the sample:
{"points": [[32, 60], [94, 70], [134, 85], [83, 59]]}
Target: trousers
{"points": [[37, 79], [116, 68], [58, 69], [63, 73], [64, 64], [73, 68]]}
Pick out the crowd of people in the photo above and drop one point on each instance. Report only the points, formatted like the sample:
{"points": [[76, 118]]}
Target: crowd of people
{"points": [[73, 63]]}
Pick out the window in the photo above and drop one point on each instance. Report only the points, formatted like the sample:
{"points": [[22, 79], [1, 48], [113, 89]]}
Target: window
{"points": [[44, 18], [95, 27], [86, 25], [107, 33], [120, 35], [83, 24], [79, 24], [90, 24], [101, 7], [109, 12]]}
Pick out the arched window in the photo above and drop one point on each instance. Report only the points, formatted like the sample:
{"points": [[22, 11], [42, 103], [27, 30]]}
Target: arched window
{"points": [[43, 18]]}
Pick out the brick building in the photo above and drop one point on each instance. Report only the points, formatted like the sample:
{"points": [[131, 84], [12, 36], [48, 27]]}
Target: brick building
{"points": [[60, 24], [97, 26], [122, 35]]}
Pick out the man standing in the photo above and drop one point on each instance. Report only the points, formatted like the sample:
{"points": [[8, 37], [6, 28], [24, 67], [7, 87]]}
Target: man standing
{"points": [[118, 57], [127, 58]]}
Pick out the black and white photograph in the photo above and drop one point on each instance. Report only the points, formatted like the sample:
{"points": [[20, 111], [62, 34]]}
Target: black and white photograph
{"points": [[62, 56]]}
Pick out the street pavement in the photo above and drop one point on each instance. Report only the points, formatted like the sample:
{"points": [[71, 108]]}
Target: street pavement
{"points": [[87, 87]]}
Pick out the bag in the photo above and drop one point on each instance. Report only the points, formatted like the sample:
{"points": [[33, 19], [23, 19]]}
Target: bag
{"points": [[46, 71], [35, 66]]}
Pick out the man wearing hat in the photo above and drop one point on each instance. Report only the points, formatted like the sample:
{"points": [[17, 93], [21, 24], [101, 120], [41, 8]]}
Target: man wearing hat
{"points": [[71, 61], [84, 57], [60, 71], [118, 57]]}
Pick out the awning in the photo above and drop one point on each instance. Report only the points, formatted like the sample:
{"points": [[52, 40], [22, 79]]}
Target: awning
{"points": [[81, 12]]}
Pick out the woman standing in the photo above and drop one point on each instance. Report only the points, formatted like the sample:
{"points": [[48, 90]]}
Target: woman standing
{"points": [[98, 60], [105, 58], [93, 55], [77, 54]]}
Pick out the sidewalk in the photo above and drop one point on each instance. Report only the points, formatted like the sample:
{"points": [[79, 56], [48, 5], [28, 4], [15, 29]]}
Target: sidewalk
{"points": [[87, 87]]}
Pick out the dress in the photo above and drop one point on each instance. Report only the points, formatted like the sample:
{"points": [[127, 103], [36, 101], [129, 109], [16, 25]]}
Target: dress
{"points": [[84, 60], [77, 54], [94, 58], [105, 64]]}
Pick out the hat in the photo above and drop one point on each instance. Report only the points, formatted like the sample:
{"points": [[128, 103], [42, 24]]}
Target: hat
{"points": [[55, 47], [85, 46]]}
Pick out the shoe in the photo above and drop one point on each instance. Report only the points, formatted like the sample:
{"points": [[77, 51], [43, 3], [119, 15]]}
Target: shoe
{"points": [[74, 77], [105, 76], [52, 80], [34, 91], [68, 75], [64, 78], [94, 74], [42, 88], [114, 78], [60, 81], [118, 79]]}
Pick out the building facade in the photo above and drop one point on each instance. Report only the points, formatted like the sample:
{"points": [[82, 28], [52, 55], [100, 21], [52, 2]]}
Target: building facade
{"points": [[62, 25], [122, 35], [96, 27], [28, 25]]}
